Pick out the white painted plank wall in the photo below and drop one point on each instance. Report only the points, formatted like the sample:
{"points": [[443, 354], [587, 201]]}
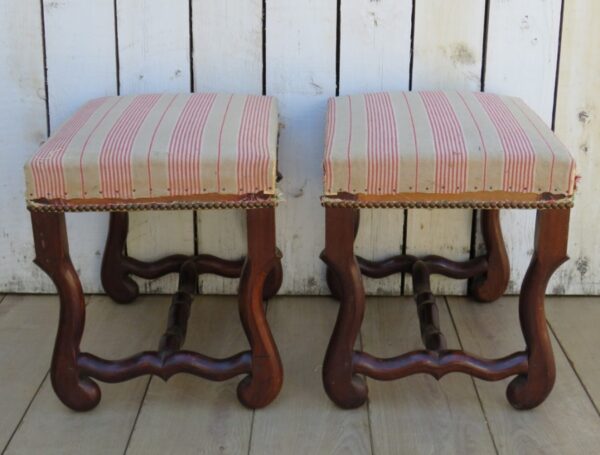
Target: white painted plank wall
{"points": [[81, 60], [448, 54], [228, 57], [22, 129], [375, 45], [154, 54], [578, 125], [522, 54], [301, 72]]}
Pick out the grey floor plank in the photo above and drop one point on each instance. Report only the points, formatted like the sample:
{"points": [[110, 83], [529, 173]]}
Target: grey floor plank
{"points": [[418, 413], [189, 415], [303, 420], [27, 329], [566, 423], [112, 331], [575, 322]]}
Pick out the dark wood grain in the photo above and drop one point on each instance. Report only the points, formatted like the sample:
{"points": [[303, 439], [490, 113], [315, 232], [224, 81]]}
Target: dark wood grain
{"points": [[491, 285], [341, 383], [52, 255], [264, 382], [529, 390], [534, 367], [72, 370], [429, 319]]}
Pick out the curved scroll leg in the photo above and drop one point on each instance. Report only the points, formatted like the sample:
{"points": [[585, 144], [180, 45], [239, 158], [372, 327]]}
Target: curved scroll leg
{"points": [[263, 384], [550, 251], [274, 279], [52, 256], [115, 277], [345, 388], [332, 281], [492, 285]]}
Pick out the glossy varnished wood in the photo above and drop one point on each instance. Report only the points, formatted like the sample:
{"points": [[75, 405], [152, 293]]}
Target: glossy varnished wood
{"points": [[260, 272], [343, 386], [52, 255], [533, 367], [492, 284], [529, 390], [264, 382]]}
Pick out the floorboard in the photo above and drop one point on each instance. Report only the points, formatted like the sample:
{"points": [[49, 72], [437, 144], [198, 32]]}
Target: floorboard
{"points": [[566, 423], [575, 321], [27, 329], [189, 415], [418, 413], [113, 331], [303, 420]]}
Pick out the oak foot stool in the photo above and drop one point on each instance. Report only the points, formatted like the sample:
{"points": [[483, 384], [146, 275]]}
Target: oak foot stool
{"points": [[161, 152], [442, 150]]}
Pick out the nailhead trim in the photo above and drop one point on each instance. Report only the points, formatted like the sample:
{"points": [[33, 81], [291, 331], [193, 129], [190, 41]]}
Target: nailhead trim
{"points": [[539, 205], [130, 207]]}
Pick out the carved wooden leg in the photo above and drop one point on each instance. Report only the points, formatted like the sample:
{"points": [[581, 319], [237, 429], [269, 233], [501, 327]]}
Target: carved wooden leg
{"points": [[345, 388], [492, 285], [332, 281], [274, 279], [263, 384], [115, 275], [52, 255], [550, 251]]}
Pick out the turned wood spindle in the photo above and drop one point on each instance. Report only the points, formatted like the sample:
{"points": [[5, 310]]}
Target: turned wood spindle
{"points": [[427, 309]]}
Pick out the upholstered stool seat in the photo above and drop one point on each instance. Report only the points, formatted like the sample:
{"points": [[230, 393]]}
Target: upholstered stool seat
{"points": [[161, 152], [458, 148], [169, 149], [442, 150]]}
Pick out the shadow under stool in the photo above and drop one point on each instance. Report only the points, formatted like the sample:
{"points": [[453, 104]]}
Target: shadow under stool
{"points": [[442, 150], [161, 152]]}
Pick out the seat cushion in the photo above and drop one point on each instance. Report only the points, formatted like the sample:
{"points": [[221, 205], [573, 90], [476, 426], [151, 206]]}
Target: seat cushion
{"points": [[443, 145], [159, 147]]}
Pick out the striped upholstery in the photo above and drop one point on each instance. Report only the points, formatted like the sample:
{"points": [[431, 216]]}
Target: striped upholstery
{"points": [[159, 146], [442, 143]]}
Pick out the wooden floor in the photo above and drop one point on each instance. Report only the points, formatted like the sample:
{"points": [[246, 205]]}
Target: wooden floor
{"points": [[187, 415]]}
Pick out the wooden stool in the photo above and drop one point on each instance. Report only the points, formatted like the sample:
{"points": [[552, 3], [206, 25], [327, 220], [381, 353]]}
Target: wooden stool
{"points": [[161, 152], [443, 150]]}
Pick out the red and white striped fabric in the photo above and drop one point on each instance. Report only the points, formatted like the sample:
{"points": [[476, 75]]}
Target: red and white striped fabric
{"points": [[441, 143], [159, 146]]}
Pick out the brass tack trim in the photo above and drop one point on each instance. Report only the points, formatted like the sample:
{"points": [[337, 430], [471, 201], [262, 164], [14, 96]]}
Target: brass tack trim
{"points": [[131, 207], [486, 205]]}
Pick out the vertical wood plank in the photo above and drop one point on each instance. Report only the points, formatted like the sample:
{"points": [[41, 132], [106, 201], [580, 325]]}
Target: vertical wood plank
{"points": [[578, 125], [112, 331], [22, 130], [566, 423], [301, 72], [375, 44], [448, 48], [154, 56], [80, 48], [188, 414], [404, 412], [574, 321], [303, 420], [228, 56], [27, 330], [522, 53]]}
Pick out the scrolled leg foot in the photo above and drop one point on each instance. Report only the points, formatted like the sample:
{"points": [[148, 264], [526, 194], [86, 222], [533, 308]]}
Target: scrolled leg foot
{"points": [[52, 256], [550, 251], [263, 384], [345, 388]]}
